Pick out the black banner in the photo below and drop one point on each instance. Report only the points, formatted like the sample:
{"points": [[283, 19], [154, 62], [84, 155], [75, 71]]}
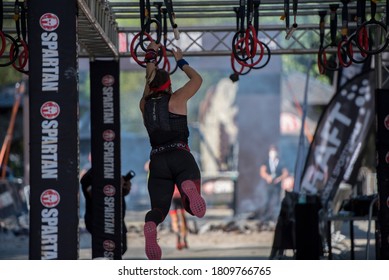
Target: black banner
{"points": [[106, 165], [382, 147], [54, 165], [339, 138]]}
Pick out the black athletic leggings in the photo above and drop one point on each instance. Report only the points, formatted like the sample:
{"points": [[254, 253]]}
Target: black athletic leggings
{"points": [[167, 169]]}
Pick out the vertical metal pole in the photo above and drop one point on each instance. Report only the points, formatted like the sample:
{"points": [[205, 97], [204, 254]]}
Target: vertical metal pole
{"points": [[378, 77], [378, 69], [26, 137]]}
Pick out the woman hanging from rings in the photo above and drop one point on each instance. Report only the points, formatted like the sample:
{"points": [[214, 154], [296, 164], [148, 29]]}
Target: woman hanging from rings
{"points": [[171, 162]]}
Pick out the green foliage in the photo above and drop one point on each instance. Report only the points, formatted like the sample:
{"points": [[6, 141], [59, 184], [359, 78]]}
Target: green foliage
{"points": [[131, 90], [8, 75], [300, 63]]}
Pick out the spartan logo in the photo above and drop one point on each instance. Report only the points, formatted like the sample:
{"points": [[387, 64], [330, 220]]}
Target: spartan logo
{"points": [[108, 80], [108, 135], [50, 198], [109, 190], [109, 245], [50, 110], [49, 22]]}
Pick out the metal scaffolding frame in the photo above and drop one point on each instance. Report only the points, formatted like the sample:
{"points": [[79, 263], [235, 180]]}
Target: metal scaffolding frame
{"points": [[103, 25], [215, 40], [97, 29], [106, 28], [225, 9]]}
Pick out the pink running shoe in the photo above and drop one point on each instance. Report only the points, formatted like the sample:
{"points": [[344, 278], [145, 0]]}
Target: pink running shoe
{"points": [[152, 249], [196, 202]]}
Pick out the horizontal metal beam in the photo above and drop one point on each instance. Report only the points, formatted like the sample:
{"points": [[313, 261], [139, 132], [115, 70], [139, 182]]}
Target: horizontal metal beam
{"points": [[225, 9], [222, 9]]}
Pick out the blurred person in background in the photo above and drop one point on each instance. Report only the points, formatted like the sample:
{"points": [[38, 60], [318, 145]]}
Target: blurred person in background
{"points": [[86, 186], [273, 172], [178, 220]]}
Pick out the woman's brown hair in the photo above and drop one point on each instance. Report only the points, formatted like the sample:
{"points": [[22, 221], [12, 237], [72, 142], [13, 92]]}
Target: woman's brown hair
{"points": [[161, 77]]}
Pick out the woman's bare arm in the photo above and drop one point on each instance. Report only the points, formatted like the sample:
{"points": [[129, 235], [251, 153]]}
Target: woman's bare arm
{"points": [[183, 94], [150, 73], [193, 85]]}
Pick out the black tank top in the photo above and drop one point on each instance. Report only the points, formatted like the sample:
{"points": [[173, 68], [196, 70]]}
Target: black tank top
{"points": [[163, 126]]}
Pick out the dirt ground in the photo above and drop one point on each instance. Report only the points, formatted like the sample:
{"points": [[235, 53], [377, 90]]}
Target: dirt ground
{"points": [[207, 239], [216, 236]]}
